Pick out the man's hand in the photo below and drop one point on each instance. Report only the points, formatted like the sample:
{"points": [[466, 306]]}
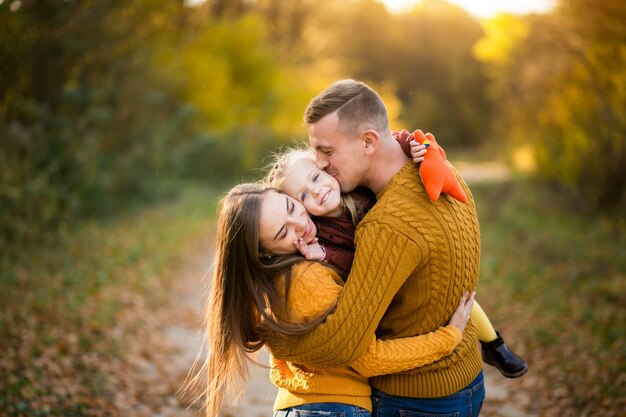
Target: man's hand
{"points": [[463, 311]]}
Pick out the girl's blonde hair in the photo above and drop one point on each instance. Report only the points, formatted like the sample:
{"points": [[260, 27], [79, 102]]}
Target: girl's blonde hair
{"points": [[282, 166]]}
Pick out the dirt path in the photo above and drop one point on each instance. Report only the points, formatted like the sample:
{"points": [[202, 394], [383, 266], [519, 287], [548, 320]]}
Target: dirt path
{"points": [[505, 398]]}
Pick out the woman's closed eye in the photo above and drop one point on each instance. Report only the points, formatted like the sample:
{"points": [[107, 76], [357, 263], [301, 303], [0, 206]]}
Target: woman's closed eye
{"points": [[304, 195], [282, 233]]}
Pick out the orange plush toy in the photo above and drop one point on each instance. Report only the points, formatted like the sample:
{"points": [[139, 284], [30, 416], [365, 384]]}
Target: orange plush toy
{"points": [[437, 176]]}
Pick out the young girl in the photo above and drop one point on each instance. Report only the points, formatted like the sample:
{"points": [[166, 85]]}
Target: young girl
{"points": [[262, 287], [336, 216]]}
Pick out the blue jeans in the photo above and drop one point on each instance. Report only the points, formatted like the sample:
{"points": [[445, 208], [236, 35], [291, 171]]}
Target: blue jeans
{"points": [[464, 403], [323, 410]]}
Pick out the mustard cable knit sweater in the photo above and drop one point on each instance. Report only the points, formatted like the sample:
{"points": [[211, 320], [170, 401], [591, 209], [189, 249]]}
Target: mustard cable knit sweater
{"points": [[414, 260], [315, 288]]}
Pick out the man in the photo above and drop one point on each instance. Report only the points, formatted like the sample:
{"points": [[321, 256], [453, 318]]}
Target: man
{"points": [[414, 259]]}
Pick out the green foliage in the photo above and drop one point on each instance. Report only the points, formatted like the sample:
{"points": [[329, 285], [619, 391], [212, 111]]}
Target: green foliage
{"points": [[558, 279], [228, 70], [108, 105], [426, 55], [244, 101], [123, 96], [70, 307], [562, 91], [76, 139]]}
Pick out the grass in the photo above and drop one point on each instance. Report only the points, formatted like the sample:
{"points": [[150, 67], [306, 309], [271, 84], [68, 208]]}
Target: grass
{"points": [[63, 320], [551, 277], [557, 279]]}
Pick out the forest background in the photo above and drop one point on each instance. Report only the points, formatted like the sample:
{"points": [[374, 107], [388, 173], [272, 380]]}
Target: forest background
{"points": [[122, 122]]}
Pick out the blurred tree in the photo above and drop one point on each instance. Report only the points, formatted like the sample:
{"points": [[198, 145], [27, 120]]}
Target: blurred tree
{"points": [[286, 22], [226, 8], [439, 72], [365, 52], [426, 55], [238, 90], [100, 100], [562, 90], [62, 66]]}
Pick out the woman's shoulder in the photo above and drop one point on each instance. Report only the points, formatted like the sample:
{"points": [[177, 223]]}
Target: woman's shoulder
{"points": [[311, 273], [313, 289]]}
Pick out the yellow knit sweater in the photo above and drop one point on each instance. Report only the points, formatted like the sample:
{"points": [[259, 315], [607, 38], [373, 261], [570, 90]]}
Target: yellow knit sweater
{"points": [[315, 288], [414, 260]]}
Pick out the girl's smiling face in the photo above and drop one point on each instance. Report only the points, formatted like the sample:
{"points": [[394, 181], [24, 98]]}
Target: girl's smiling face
{"points": [[282, 222], [317, 190]]}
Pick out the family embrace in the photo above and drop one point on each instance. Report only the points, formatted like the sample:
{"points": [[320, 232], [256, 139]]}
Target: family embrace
{"points": [[358, 279]]}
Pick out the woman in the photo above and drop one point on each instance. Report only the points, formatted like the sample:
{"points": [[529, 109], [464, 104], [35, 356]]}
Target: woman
{"points": [[262, 286]]}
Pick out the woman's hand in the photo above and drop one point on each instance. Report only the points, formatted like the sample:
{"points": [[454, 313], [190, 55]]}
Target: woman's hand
{"points": [[463, 311], [312, 251]]}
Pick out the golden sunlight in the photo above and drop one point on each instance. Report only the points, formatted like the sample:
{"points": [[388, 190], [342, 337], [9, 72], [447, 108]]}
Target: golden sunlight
{"points": [[483, 8]]}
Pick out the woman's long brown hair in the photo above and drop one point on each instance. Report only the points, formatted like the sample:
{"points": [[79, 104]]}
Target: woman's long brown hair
{"points": [[243, 306]]}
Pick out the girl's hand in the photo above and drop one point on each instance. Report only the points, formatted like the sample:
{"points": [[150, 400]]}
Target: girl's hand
{"points": [[312, 251], [463, 311], [417, 151]]}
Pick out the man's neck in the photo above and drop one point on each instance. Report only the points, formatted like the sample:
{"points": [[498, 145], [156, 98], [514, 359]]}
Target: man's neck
{"points": [[389, 161]]}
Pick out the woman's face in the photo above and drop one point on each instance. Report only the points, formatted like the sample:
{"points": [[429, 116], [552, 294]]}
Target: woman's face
{"points": [[283, 221], [318, 191]]}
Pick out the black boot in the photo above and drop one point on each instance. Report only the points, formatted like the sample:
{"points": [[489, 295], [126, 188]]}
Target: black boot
{"points": [[496, 353]]}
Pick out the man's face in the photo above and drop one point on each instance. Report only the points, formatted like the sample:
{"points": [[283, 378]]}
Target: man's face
{"points": [[342, 155]]}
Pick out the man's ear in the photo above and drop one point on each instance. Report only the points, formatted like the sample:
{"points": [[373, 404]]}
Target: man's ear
{"points": [[371, 140]]}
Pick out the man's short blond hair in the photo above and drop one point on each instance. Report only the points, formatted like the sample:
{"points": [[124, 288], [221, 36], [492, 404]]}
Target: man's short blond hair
{"points": [[357, 105]]}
